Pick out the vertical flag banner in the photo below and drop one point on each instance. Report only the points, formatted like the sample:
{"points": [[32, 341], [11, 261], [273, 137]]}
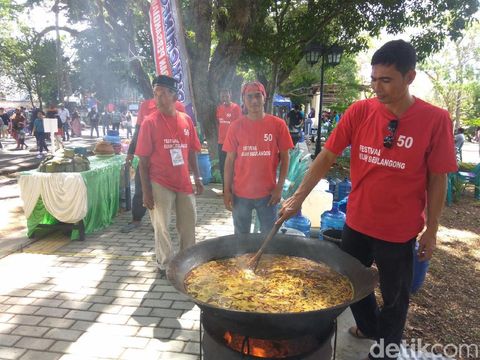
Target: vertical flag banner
{"points": [[169, 48]]}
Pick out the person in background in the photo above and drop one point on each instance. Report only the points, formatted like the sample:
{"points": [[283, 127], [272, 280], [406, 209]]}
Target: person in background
{"points": [[309, 122], [106, 120], [21, 138], [4, 121], [146, 108], [76, 124], [94, 119], [227, 113], [116, 120], [39, 132], [459, 140], [128, 124], [401, 152], [257, 146], [64, 115], [18, 122], [52, 112], [295, 123], [167, 146]]}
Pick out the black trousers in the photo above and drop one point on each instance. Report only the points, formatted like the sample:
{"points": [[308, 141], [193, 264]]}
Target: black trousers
{"points": [[222, 155], [138, 210], [395, 268]]}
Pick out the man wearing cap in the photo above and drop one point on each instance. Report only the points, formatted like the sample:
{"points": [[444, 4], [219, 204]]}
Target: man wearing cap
{"points": [[167, 147], [147, 107], [256, 145], [227, 112]]}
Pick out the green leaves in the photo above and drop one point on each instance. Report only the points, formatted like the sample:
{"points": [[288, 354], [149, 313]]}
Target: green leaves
{"points": [[30, 65], [454, 75]]}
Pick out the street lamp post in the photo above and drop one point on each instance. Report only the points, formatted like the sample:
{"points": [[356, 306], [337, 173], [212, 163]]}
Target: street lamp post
{"points": [[329, 55]]}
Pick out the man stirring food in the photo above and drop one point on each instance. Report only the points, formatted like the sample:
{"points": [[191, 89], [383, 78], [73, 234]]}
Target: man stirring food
{"points": [[401, 151]]}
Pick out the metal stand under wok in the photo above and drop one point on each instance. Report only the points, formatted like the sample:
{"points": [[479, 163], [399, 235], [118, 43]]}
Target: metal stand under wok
{"points": [[245, 346]]}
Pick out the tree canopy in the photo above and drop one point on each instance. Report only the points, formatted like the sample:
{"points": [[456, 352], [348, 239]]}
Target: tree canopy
{"points": [[455, 77], [29, 64], [225, 37]]}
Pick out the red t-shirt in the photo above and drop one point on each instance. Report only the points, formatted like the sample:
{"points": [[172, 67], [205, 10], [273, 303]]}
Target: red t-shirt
{"points": [[158, 135], [149, 106], [225, 116], [388, 196], [257, 144]]}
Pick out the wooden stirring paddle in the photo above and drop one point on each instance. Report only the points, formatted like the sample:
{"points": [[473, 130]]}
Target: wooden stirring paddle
{"points": [[253, 262]]}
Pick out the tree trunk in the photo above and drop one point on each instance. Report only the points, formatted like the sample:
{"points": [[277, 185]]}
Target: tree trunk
{"points": [[199, 53], [272, 87], [209, 75]]}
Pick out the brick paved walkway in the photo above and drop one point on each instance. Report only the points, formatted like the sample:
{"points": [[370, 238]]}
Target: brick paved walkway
{"points": [[100, 299]]}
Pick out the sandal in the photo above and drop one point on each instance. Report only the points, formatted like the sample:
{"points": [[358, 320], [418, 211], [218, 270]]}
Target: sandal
{"points": [[355, 332]]}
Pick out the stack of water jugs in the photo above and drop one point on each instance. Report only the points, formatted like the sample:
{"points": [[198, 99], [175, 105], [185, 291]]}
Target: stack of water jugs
{"points": [[332, 221]]}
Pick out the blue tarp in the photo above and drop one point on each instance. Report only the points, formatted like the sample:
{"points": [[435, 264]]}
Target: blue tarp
{"points": [[279, 100]]}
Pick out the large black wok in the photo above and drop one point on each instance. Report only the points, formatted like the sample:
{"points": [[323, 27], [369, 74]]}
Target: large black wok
{"points": [[276, 325]]}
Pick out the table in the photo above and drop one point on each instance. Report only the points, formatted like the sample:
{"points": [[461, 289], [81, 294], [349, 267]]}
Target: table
{"points": [[87, 200]]}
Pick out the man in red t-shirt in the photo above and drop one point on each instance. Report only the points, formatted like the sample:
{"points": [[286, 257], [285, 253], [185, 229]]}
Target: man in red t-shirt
{"points": [[401, 151], [227, 112], [167, 147], [256, 145], [147, 107]]}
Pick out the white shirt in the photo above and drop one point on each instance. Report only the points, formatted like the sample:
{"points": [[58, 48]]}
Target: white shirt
{"points": [[64, 114]]}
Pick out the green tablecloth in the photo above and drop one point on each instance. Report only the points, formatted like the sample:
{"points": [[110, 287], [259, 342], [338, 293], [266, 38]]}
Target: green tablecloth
{"points": [[103, 196]]}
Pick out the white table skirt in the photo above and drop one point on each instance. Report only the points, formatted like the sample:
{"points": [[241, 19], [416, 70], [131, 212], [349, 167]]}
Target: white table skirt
{"points": [[64, 194]]}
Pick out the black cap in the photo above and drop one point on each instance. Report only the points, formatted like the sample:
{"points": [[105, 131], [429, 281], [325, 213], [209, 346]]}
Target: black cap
{"points": [[166, 81]]}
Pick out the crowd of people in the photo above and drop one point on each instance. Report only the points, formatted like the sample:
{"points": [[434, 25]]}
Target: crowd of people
{"points": [[20, 122], [110, 120]]}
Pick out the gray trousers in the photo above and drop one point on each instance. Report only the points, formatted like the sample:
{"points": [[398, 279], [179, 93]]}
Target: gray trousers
{"points": [[183, 204]]}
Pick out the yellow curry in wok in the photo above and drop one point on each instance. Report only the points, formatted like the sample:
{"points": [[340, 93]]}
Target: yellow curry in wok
{"points": [[280, 284]]}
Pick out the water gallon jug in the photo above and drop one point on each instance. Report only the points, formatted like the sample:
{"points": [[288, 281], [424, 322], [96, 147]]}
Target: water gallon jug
{"points": [[302, 136], [299, 222], [318, 201], [420, 269], [344, 188], [205, 167], [333, 219], [342, 205]]}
